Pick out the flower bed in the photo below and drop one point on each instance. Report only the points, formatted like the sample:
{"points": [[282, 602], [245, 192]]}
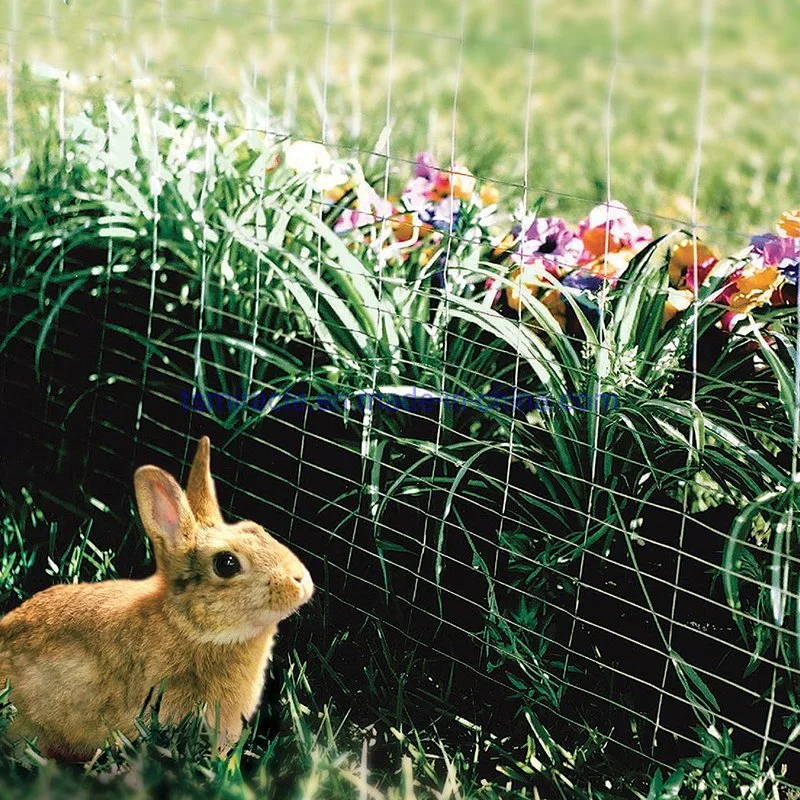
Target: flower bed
{"points": [[440, 210]]}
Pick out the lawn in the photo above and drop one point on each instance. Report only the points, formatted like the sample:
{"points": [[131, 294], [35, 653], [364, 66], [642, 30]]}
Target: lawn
{"points": [[537, 453], [546, 67]]}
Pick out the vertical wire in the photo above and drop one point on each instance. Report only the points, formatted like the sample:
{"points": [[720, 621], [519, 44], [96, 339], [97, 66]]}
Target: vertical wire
{"points": [[12, 151], [155, 178], [602, 349], [443, 309], [795, 477], [366, 437], [314, 346], [106, 286], [261, 235], [125, 13], [517, 358], [51, 17], [11, 130], [199, 217], [62, 157], [702, 97]]}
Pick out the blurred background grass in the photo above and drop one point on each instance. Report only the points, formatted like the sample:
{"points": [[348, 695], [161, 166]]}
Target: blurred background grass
{"points": [[350, 57]]}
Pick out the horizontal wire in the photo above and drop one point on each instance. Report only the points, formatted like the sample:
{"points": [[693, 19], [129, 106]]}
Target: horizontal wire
{"points": [[591, 201], [440, 620], [472, 634], [549, 567], [589, 56], [527, 493], [644, 434]]}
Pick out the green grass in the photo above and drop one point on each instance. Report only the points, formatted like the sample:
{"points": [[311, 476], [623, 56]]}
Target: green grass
{"points": [[280, 50]]}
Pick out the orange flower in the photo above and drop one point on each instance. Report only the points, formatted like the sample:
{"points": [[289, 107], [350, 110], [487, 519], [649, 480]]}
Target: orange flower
{"points": [[789, 223], [752, 288], [458, 180], [594, 241], [612, 265], [489, 194], [403, 227], [529, 279], [556, 306], [682, 263]]}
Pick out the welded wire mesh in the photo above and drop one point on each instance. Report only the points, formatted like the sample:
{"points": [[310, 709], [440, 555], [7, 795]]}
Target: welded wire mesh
{"points": [[579, 523]]}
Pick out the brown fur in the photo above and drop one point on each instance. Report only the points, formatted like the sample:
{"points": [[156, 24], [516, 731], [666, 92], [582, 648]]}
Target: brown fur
{"points": [[82, 659]]}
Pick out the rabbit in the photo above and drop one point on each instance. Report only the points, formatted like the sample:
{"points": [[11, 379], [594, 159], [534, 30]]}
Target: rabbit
{"points": [[83, 659]]}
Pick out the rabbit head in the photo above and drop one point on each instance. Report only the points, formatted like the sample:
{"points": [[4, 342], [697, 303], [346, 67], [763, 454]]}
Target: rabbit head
{"points": [[224, 582]]}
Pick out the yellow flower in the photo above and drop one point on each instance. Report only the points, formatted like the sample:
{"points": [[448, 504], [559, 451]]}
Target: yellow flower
{"points": [[677, 300], [336, 193], [504, 245], [426, 253], [612, 265], [462, 182], [527, 278], [489, 194], [789, 223], [753, 288]]}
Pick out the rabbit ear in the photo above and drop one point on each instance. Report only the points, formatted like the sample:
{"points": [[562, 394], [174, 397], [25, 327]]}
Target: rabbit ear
{"points": [[165, 511], [200, 490]]}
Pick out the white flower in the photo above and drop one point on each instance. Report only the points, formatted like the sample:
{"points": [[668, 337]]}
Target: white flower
{"points": [[305, 157], [338, 173]]}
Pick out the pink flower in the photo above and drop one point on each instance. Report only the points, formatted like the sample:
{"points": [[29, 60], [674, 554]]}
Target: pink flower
{"points": [[431, 184], [370, 208], [610, 228], [417, 193]]}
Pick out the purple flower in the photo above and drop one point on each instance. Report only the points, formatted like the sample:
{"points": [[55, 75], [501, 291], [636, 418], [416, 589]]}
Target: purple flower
{"points": [[775, 249], [789, 268], [438, 215], [426, 167], [583, 285], [582, 280], [550, 240]]}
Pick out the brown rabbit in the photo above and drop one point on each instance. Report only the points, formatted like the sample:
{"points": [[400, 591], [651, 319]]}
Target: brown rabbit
{"points": [[83, 658]]}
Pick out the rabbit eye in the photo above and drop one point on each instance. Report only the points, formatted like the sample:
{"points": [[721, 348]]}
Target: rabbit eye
{"points": [[226, 565]]}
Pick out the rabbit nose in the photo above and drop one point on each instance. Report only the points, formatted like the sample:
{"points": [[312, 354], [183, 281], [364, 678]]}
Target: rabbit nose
{"points": [[303, 580]]}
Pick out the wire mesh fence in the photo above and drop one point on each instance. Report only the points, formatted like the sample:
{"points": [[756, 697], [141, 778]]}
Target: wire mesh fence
{"points": [[543, 471]]}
